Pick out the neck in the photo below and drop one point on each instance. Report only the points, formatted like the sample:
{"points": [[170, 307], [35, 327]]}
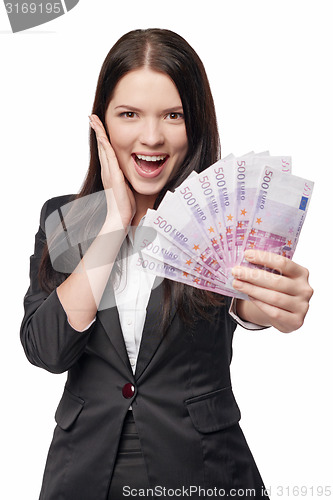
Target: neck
{"points": [[143, 202]]}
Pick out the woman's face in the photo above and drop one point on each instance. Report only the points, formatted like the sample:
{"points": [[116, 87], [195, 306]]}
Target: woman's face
{"points": [[147, 131]]}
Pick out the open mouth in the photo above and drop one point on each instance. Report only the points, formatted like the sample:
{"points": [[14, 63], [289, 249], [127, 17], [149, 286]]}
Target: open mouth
{"points": [[149, 163]]}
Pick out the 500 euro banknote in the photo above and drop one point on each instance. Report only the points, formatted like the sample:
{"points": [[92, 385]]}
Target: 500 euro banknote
{"points": [[281, 207]]}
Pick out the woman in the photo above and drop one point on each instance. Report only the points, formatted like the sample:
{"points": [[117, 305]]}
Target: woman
{"points": [[148, 400]]}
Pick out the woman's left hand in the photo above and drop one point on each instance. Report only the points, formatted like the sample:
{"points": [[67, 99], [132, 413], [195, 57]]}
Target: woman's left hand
{"points": [[276, 299]]}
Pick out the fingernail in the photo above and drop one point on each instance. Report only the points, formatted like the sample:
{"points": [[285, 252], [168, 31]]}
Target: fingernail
{"points": [[237, 284], [249, 254], [235, 271]]}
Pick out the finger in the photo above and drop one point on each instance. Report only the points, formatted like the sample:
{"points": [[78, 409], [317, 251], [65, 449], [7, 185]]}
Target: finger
{"points": [[108, 149], [97, 126], [284, 266], [95, 119], [102, 153], [265, 279], [110, 156], [101, 136], [283, 320], [270, 297]]}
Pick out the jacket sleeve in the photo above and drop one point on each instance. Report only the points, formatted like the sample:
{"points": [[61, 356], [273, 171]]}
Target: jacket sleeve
{"points": [[48, 339]]}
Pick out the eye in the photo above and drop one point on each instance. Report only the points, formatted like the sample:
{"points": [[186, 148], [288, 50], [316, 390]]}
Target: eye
{"points": [[128, 114], [175, 116]]}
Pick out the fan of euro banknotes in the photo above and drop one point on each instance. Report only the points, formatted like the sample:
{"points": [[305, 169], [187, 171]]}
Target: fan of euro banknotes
{"points": [[201, 230]]}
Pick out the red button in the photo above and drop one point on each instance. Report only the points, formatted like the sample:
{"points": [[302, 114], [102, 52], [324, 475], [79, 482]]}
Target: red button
{"points": [[128, 391]]}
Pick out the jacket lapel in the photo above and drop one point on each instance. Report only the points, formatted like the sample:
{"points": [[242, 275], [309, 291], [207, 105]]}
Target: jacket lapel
{"points": [[109, 317], [152, 334]]}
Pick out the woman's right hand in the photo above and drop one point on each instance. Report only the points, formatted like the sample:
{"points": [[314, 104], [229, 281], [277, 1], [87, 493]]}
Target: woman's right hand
{"points": [[119, 196]]}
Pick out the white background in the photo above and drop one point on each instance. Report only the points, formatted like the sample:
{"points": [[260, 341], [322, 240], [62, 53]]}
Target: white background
{"points": [[270, 68]]}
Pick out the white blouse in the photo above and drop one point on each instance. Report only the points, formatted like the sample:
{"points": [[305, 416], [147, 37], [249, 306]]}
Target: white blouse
{"points": [[132, 296]]}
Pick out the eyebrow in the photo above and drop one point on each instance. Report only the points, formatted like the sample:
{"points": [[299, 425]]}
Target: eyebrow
{"points": [[133, 108]]}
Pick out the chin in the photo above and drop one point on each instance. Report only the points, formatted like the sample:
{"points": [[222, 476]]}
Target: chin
{"points": [[146, 189], [147, 192]]}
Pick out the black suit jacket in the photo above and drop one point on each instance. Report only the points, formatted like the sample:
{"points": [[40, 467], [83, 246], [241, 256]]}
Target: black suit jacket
{"points": [[183, 405]]}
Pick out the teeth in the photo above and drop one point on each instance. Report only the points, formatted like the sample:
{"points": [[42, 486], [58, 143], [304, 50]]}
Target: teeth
{"points": [[151, 158]]}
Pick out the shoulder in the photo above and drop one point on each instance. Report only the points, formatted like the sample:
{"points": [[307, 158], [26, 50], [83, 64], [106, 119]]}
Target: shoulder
{"points": [[54, 204]]}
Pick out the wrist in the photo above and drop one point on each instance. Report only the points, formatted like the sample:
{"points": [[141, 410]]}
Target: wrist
{"points": [[112, 224], [249, 312]]}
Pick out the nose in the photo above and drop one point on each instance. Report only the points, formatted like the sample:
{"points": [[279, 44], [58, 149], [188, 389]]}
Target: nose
{"points": [[151, 133]]}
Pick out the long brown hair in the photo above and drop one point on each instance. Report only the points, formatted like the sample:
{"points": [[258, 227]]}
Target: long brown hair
{"points": [[167, 52]]}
